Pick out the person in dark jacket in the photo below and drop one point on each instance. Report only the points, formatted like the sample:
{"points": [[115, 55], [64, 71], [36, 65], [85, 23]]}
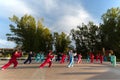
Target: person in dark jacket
{"points": [[29, 58]]}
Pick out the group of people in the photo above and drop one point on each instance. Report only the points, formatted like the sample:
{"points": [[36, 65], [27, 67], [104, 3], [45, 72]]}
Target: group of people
{"points": [[61, 57], [39, 57], [91, 57]]}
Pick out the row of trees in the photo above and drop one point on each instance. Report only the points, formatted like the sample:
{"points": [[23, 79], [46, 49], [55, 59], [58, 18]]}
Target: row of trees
{"points": [[106, 35], [87, 37], [33, 35]]}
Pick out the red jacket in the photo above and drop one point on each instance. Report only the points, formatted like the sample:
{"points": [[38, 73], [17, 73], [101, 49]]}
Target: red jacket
{"points": [[49, 57], [16, 55]]}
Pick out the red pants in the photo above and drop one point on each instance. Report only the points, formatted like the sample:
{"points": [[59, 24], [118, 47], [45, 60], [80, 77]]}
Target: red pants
{"points": [[9, 63], [62, 61], [96, 59], [92, 59], [101, 60], [79, 60], [45, 62]]}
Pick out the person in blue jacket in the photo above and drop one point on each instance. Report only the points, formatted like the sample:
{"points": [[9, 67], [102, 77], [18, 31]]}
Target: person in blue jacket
{"points": [[71, 59]]}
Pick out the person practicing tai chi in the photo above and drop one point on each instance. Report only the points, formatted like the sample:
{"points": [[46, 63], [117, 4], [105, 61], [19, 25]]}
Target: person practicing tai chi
{"points": [[13, 60], [91, 57], [63, 58], [71, 59], [47, 60], [29, 58], [97, 57], [101, 58], [79, 58], [88, 57], [39, 57]]}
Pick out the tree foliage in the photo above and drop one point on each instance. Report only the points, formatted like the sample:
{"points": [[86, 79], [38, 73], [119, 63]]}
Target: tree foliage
{"points": [[61, 42], [110, 29], [29, 34], [86, 37], [33, 35], [91, 37]]}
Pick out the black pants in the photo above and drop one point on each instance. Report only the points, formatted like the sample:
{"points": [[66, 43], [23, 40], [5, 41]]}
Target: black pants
{"points": [[29, 59]]}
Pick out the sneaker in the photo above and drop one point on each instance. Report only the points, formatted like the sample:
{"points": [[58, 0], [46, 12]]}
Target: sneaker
{"points": [[68, 66]]}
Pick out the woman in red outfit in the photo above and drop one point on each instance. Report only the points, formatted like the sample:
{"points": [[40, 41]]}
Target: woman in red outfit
{"points": [[97, 57], [91, 57], [13, 60], [101, 58], [47, 60], [79, 58], [63, 58]]}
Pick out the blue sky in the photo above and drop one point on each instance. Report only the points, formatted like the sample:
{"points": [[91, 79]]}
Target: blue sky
{"points": [[59, 15]]}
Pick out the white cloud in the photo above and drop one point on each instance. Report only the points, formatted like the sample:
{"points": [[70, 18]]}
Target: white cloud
{"points": [[67, 16], [49, 4], [17, 7], [58, 14], [6, 44], [72, 17]]}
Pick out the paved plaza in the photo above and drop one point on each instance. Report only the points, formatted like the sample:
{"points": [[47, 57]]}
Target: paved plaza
{"points": [[84, 71]]}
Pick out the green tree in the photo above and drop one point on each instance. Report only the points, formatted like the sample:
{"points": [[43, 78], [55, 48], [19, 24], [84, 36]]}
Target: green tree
{"points": [[43, 38], [110, 29], [61, 42], [29, 35], [86, 37], [23, 31]]}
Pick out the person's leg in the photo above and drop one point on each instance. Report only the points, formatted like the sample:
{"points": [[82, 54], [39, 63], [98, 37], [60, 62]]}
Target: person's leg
{"points": [[30, 60], [64, 60], [40, 60], [71, 63], [61, 61], [36, 59], [26, 61], [50, 63], [88, 59], [6, 65], [92, 59], [43, 64], [78, 60], [15, 63]]}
